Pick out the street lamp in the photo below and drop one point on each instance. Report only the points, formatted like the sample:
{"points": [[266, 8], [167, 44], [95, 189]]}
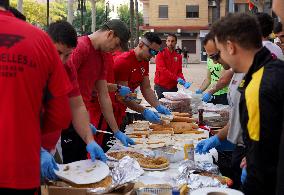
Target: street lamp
{"points": [[82, 9]]}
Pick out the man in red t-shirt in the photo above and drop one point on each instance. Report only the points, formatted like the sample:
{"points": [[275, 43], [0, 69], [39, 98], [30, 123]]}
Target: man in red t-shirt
{"points": [[88, 60], [169, 69], [30, 71], [132, 69], [64, 37]]}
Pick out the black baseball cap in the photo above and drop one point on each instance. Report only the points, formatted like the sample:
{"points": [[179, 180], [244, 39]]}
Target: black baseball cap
{"points": [[121, 31]]}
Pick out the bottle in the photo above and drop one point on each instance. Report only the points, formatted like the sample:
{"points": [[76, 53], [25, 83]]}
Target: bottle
{"points": [[189, 150], [200, 117]]}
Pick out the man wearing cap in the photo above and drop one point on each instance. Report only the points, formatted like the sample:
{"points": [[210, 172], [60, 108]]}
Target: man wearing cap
{"points": [[132, 69], [30, 72], [88, 58], [169, 69]]}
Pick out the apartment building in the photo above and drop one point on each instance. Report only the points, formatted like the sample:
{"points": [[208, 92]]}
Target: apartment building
{"points": [[188, 19]]}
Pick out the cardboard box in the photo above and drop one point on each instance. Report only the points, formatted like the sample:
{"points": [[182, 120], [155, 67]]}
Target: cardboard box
{"points": [[54, 190]]}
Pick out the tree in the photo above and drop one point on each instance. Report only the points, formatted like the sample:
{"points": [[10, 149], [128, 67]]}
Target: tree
{"points": [[100, 18], [20, 5], [124, 15], [36, 12], [70, 8], [137, 23], [93, 3], [131, 26]]}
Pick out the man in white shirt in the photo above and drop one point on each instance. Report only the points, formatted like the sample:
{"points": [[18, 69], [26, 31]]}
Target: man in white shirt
{"points": [[266, 24]]}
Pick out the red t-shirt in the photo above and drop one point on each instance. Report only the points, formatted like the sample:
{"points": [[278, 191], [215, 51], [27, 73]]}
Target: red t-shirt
{"points": [[168, 69], [29, 64], [89, 65], [128, 68], [94, 106]]}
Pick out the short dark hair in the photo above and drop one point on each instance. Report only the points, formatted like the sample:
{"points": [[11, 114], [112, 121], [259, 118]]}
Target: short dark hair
{"points": [[278, 28], [241, 28], [63, 32], [172, 35], [266, 23], [209, 36], [152, 37], [4, 3]]}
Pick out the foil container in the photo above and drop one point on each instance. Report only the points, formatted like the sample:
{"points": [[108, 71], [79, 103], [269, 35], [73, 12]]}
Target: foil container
{"points": [[207, 166], [127, 170], [196, 181], [188, 167]]}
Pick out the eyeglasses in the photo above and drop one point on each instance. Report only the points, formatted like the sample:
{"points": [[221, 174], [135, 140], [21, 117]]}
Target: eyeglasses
{"points": [[215, 56], [152, 52]]}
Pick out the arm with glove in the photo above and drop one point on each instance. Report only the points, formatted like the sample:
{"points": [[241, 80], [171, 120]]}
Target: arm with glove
{"points": [[47, 165], [183, 83], [151, 98], [204, 146]]}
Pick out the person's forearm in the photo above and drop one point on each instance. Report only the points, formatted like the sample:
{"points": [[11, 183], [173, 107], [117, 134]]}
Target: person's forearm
{"points": [[150, 96], [224, 81], [107, 110], [219, 85], [81, 120], [278, 8], [205, 84], [134, 106], [222, 134]]}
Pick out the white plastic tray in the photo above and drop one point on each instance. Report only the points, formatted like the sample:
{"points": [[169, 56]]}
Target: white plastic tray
{"points": [[83, 172]]}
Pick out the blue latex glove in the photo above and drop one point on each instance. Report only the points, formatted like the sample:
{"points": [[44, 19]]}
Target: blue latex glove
{"points": [[163, 110], [187, 85], [123, 90], [198, 91], [93, 128], [244, 175], [125, 140], [205, 145], [207, 97], [96, 151], [181, 81], [48, 165], [151, 116]]}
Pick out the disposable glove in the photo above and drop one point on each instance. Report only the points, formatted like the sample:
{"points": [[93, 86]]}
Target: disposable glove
{"points": [[187, 85], [207, 97], [93, 128], [205, 145], [243, 175], [125, 140], [48, 165], [96, 151], [181, 81], [123, 90], [198, 91], [163, 110], [151, 116]]}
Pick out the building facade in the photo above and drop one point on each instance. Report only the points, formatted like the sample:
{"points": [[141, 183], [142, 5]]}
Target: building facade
{"points": [[188, 19]]}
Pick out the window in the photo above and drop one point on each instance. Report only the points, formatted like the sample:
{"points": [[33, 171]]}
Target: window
{"points": [[163, 11], [241, 7], [192, 11]]}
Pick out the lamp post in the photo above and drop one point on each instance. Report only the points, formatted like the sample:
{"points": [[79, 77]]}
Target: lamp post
{"points": [[82, 9], [47, 12]]}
